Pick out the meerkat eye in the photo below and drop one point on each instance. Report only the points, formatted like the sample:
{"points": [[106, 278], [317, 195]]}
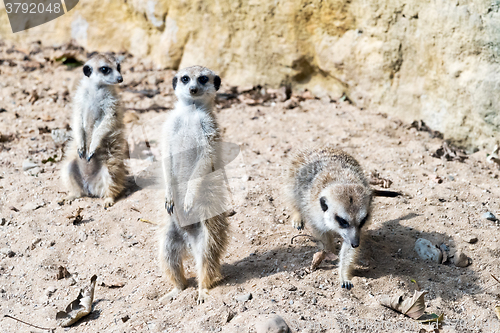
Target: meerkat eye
{"points": [[363, 221], [322, 202], [343, 223], [185, 79], [118, 68], [203, 79], [105, 70]]}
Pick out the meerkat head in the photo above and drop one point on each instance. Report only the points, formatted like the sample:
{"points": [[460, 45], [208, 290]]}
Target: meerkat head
{"points": [[196, 84], [345, 209], [103, 69]]}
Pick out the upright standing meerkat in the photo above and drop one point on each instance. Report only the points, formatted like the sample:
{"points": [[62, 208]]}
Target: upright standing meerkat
{"points": [[327, 188], [95, 159], [194, 195]]}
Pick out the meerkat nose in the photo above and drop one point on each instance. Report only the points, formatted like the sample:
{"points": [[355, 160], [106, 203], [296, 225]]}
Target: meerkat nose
{"points": [[193, 90], [120, 79], [354, 245]]}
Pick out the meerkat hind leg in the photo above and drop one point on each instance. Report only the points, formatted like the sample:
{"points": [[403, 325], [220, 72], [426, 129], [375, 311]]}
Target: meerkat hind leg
{"points": [[172, 249], [347, 255], [73, 179]]}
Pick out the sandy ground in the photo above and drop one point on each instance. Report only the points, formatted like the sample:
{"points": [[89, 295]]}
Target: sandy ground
{"points": [[443, 201]]}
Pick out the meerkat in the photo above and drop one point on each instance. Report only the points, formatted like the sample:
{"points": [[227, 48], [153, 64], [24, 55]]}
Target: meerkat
{"points": [[95, 159], [194, 196], [327, 188]]}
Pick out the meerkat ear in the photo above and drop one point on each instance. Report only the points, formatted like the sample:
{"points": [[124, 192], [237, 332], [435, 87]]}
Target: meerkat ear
{"points": [[174, 82], [217, 82], [87, 70]]}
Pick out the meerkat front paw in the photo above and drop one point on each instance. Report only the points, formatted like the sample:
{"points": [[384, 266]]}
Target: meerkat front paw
{"points": [[169, 202], [297, 222], [81, 152], [170, 296], [90, 155], [202, 296], [108, 202]]}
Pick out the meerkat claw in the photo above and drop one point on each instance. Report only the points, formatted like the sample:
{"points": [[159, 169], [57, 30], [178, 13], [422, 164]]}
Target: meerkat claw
{"points": [[347, 285], [81, 152]]}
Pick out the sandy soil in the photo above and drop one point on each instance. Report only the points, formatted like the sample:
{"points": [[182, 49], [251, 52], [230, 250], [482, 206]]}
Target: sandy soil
{"points": [[443, 201]]}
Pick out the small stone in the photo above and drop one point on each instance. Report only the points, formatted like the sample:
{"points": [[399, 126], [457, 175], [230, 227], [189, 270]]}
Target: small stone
{"points": [[6, 252], [3, 221], [27, 165], [314, 300], [489, 216], [125, 318], [50, 291], [60, 136], [291, 302], [291, 288], [244, 298], [461, 260], [273, 325], [471, 239], [82, 236], [428, 251]]}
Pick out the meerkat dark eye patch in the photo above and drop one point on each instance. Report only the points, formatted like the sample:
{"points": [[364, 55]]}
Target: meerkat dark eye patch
{"points": [[322, 202], [185, 79], [343, 223], [363, 221], [174, 82], [105, 70], [217, 82], [118, 68], [87, 70], [203, 79]]}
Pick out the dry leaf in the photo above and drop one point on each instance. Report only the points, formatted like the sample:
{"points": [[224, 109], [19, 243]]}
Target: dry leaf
{"points": [[113, 285], [317, 259], [497, 311], [80, 307], [412, 307], [76, 217], [62, 273]]}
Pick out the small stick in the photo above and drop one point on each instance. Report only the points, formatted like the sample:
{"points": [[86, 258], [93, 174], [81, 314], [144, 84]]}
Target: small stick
{"points": [[303, 235], [147, 221], [40, 328]]}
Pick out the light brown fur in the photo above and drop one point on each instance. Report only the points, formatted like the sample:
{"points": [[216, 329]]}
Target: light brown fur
{"points": [[324, 184], [94, 163], [194, 196]]}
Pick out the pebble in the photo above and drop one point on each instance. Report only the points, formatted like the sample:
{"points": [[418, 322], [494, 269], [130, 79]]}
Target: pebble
{"points": [[50, 291], [489, 216], [245, 297], [291, 288], [273, 325], [6, 252], [27, 164], [60, 136], [314, 300], [291, 302], [471, 239], [461, 260], [3, 221], [428, 251]]}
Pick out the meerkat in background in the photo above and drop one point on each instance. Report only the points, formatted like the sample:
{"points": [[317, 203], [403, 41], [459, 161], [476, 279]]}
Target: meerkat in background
{"points": [[194, 195], [95, 159], [327, 188]]}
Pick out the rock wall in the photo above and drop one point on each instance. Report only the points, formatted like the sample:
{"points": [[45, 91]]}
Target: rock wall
{"points": [[433, 60]]}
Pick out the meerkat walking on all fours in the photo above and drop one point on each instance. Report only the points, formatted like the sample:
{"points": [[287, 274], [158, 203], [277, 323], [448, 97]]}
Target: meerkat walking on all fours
{"points": [[327, 188], [95, 159], [194, 196]]}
